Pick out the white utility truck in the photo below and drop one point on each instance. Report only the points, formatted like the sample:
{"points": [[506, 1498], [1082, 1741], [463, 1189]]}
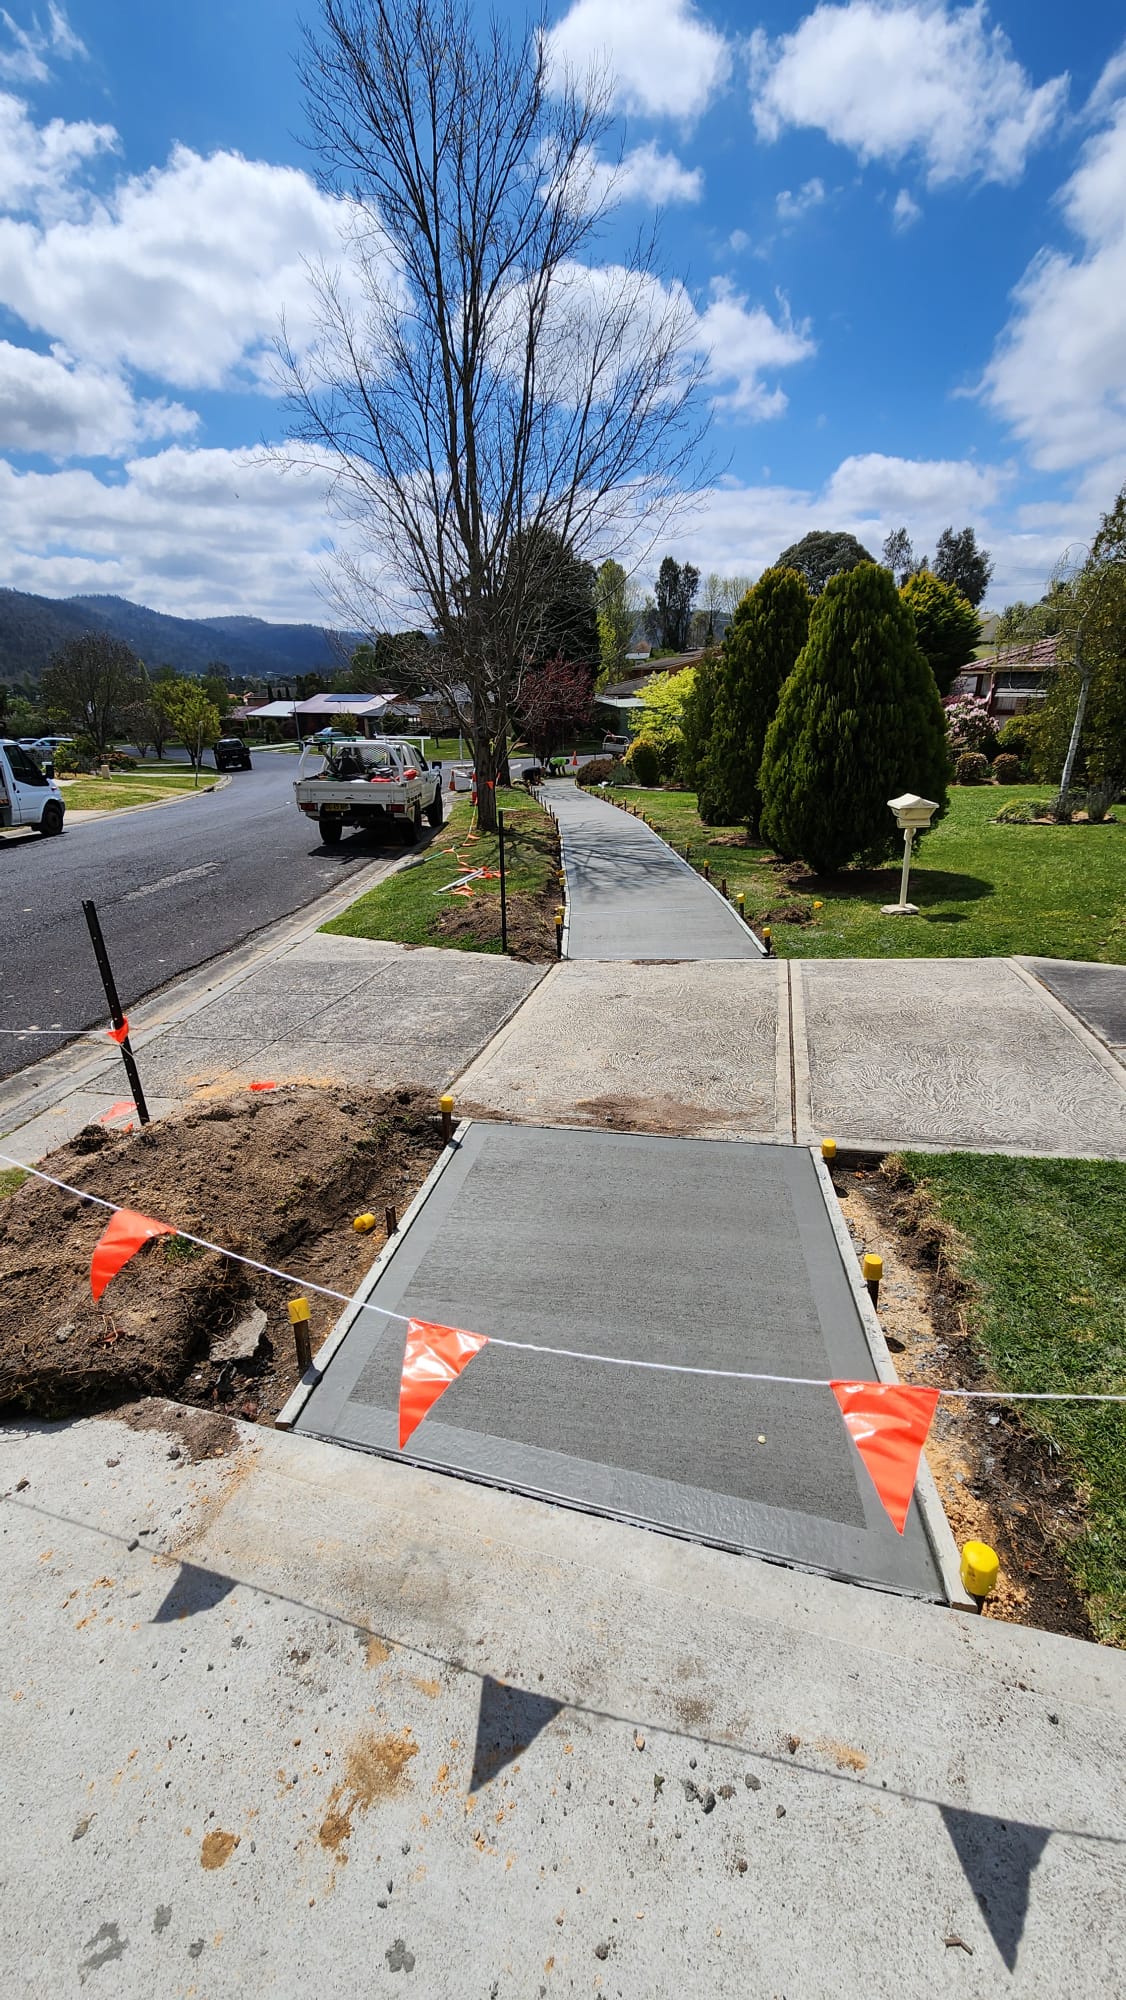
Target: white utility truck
{"points": [[371, 783], [28, 797]]}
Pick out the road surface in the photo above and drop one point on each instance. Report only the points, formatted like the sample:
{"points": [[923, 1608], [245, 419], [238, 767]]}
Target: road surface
{"points": [[174, 886]]}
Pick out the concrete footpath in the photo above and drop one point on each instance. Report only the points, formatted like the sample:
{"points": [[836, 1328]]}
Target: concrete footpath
{"points": [[974, 1053], [629, 895], [299, 1720], [881, 1053]]}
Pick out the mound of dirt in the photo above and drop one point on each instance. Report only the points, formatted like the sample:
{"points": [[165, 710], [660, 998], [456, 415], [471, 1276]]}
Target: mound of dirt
{"points": [[276, 1177], [531, 924]]}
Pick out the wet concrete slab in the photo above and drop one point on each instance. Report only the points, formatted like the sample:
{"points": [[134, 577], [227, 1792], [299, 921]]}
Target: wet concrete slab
{"points": [[693, 1253]]}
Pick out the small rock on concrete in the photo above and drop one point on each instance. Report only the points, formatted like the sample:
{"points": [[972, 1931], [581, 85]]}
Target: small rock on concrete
{"points": [[752, 1783], [601, 1951]]}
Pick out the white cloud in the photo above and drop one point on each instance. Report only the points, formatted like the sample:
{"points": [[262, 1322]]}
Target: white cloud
{"points": [[905, 210], [52, 405], [1058, 373], [663, 57], [644, 173], [186, 531], [739, 528], [791, 207], [926, 492], [738, 241], [647, 174], [39, 163], [743, 343], [24, 60], [181, 272], [893, 78]]}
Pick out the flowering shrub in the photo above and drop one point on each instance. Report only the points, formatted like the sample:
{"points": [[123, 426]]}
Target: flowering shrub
{"points": [[970, 725]]}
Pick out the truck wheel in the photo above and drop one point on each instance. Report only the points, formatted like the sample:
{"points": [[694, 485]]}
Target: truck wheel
{"points": [[52, 820], [414, 825], [331, 830], [434, 811]]}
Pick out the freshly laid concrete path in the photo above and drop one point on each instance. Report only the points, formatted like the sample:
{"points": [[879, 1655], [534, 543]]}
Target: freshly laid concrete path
{"points": [[629, 895], [667, 1251], [305, 1721]]}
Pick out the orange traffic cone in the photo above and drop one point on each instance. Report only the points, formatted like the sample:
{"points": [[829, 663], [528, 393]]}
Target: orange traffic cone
{"points": [[453, 787]]}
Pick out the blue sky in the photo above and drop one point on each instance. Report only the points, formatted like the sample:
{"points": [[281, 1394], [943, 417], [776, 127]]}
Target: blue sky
{"points": [[902, 225]]}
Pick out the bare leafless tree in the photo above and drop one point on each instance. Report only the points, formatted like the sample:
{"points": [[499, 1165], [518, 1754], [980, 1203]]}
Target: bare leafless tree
{"points": [[485, 396]]}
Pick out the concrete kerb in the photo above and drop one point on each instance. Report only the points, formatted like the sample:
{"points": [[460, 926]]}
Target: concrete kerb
{"points": [[46, 1082], [554, 816], [287, 1416], [938, 1531], [85, 814]]}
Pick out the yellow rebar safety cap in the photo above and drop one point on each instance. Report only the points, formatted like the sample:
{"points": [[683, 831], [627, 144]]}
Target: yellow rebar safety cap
{"points": [[980, 1568]]}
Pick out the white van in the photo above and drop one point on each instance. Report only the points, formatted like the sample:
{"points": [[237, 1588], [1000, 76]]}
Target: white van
{"points": [[27, 796]]}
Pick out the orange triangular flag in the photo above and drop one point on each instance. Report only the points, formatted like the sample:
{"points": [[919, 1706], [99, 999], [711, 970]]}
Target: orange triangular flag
{"points": [[888, 1423], [434, 1357], [119, 1034], [124, 1234]]}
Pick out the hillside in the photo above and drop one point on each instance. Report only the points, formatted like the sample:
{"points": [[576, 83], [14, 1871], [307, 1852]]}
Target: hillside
{"points": [[32, 627]]}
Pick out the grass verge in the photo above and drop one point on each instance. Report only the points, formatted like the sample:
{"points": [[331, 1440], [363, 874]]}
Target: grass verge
{"points": [[10, 1179], [416, 907], [1042, 1247], [129, 788], [982, 890]]}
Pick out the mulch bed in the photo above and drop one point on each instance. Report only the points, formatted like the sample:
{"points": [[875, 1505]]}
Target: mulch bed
{"points": [[277, 1177]]}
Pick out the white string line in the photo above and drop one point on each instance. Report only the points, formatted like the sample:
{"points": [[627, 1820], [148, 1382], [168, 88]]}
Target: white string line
{"points": [[571, 1353]]}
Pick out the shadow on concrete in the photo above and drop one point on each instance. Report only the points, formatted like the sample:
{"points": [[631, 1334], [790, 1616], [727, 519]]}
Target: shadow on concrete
{"points": [[194, 1590], [508, 1719], [997, 1857]]}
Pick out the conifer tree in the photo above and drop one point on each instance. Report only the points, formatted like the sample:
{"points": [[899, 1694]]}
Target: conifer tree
{"points": [[763, 641], [858, 722]]}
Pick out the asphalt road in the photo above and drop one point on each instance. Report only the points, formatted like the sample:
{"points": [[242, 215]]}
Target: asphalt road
{"points": [[174, 886]]}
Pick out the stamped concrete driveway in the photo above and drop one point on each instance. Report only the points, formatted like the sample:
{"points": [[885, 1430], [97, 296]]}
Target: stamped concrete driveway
{"points": [[879, 1052]]}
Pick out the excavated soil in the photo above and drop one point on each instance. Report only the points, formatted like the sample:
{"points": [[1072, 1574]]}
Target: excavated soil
{"points": [[999, 1482], [531, 924], [277, 1177]]}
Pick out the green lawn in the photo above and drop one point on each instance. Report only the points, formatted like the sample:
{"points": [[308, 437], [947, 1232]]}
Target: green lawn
{"points": [[142, 787], [982, 890], [1046, 1251], [10, 1179], [415, 907]]}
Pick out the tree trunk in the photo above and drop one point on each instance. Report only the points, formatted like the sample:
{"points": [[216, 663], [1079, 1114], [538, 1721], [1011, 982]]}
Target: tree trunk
{"points": [[1062, 810], [484, 764]]}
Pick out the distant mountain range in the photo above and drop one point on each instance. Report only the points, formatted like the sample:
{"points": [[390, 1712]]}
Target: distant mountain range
{"points": [[32, 627]]}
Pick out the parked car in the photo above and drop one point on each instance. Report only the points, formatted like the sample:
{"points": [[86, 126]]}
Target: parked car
{"points": [[28, 795], [231, 754], [614, 746]]}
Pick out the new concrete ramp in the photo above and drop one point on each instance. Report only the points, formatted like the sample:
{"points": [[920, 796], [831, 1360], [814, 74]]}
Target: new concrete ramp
{"points": [[694, 1252]]}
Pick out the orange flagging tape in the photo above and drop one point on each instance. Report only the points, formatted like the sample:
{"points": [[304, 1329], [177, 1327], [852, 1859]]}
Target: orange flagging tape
{"points": [[124, 1106], [125, 1233], [434, 1357], [118, 1034], [888, 1423], [261, 1086]]}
